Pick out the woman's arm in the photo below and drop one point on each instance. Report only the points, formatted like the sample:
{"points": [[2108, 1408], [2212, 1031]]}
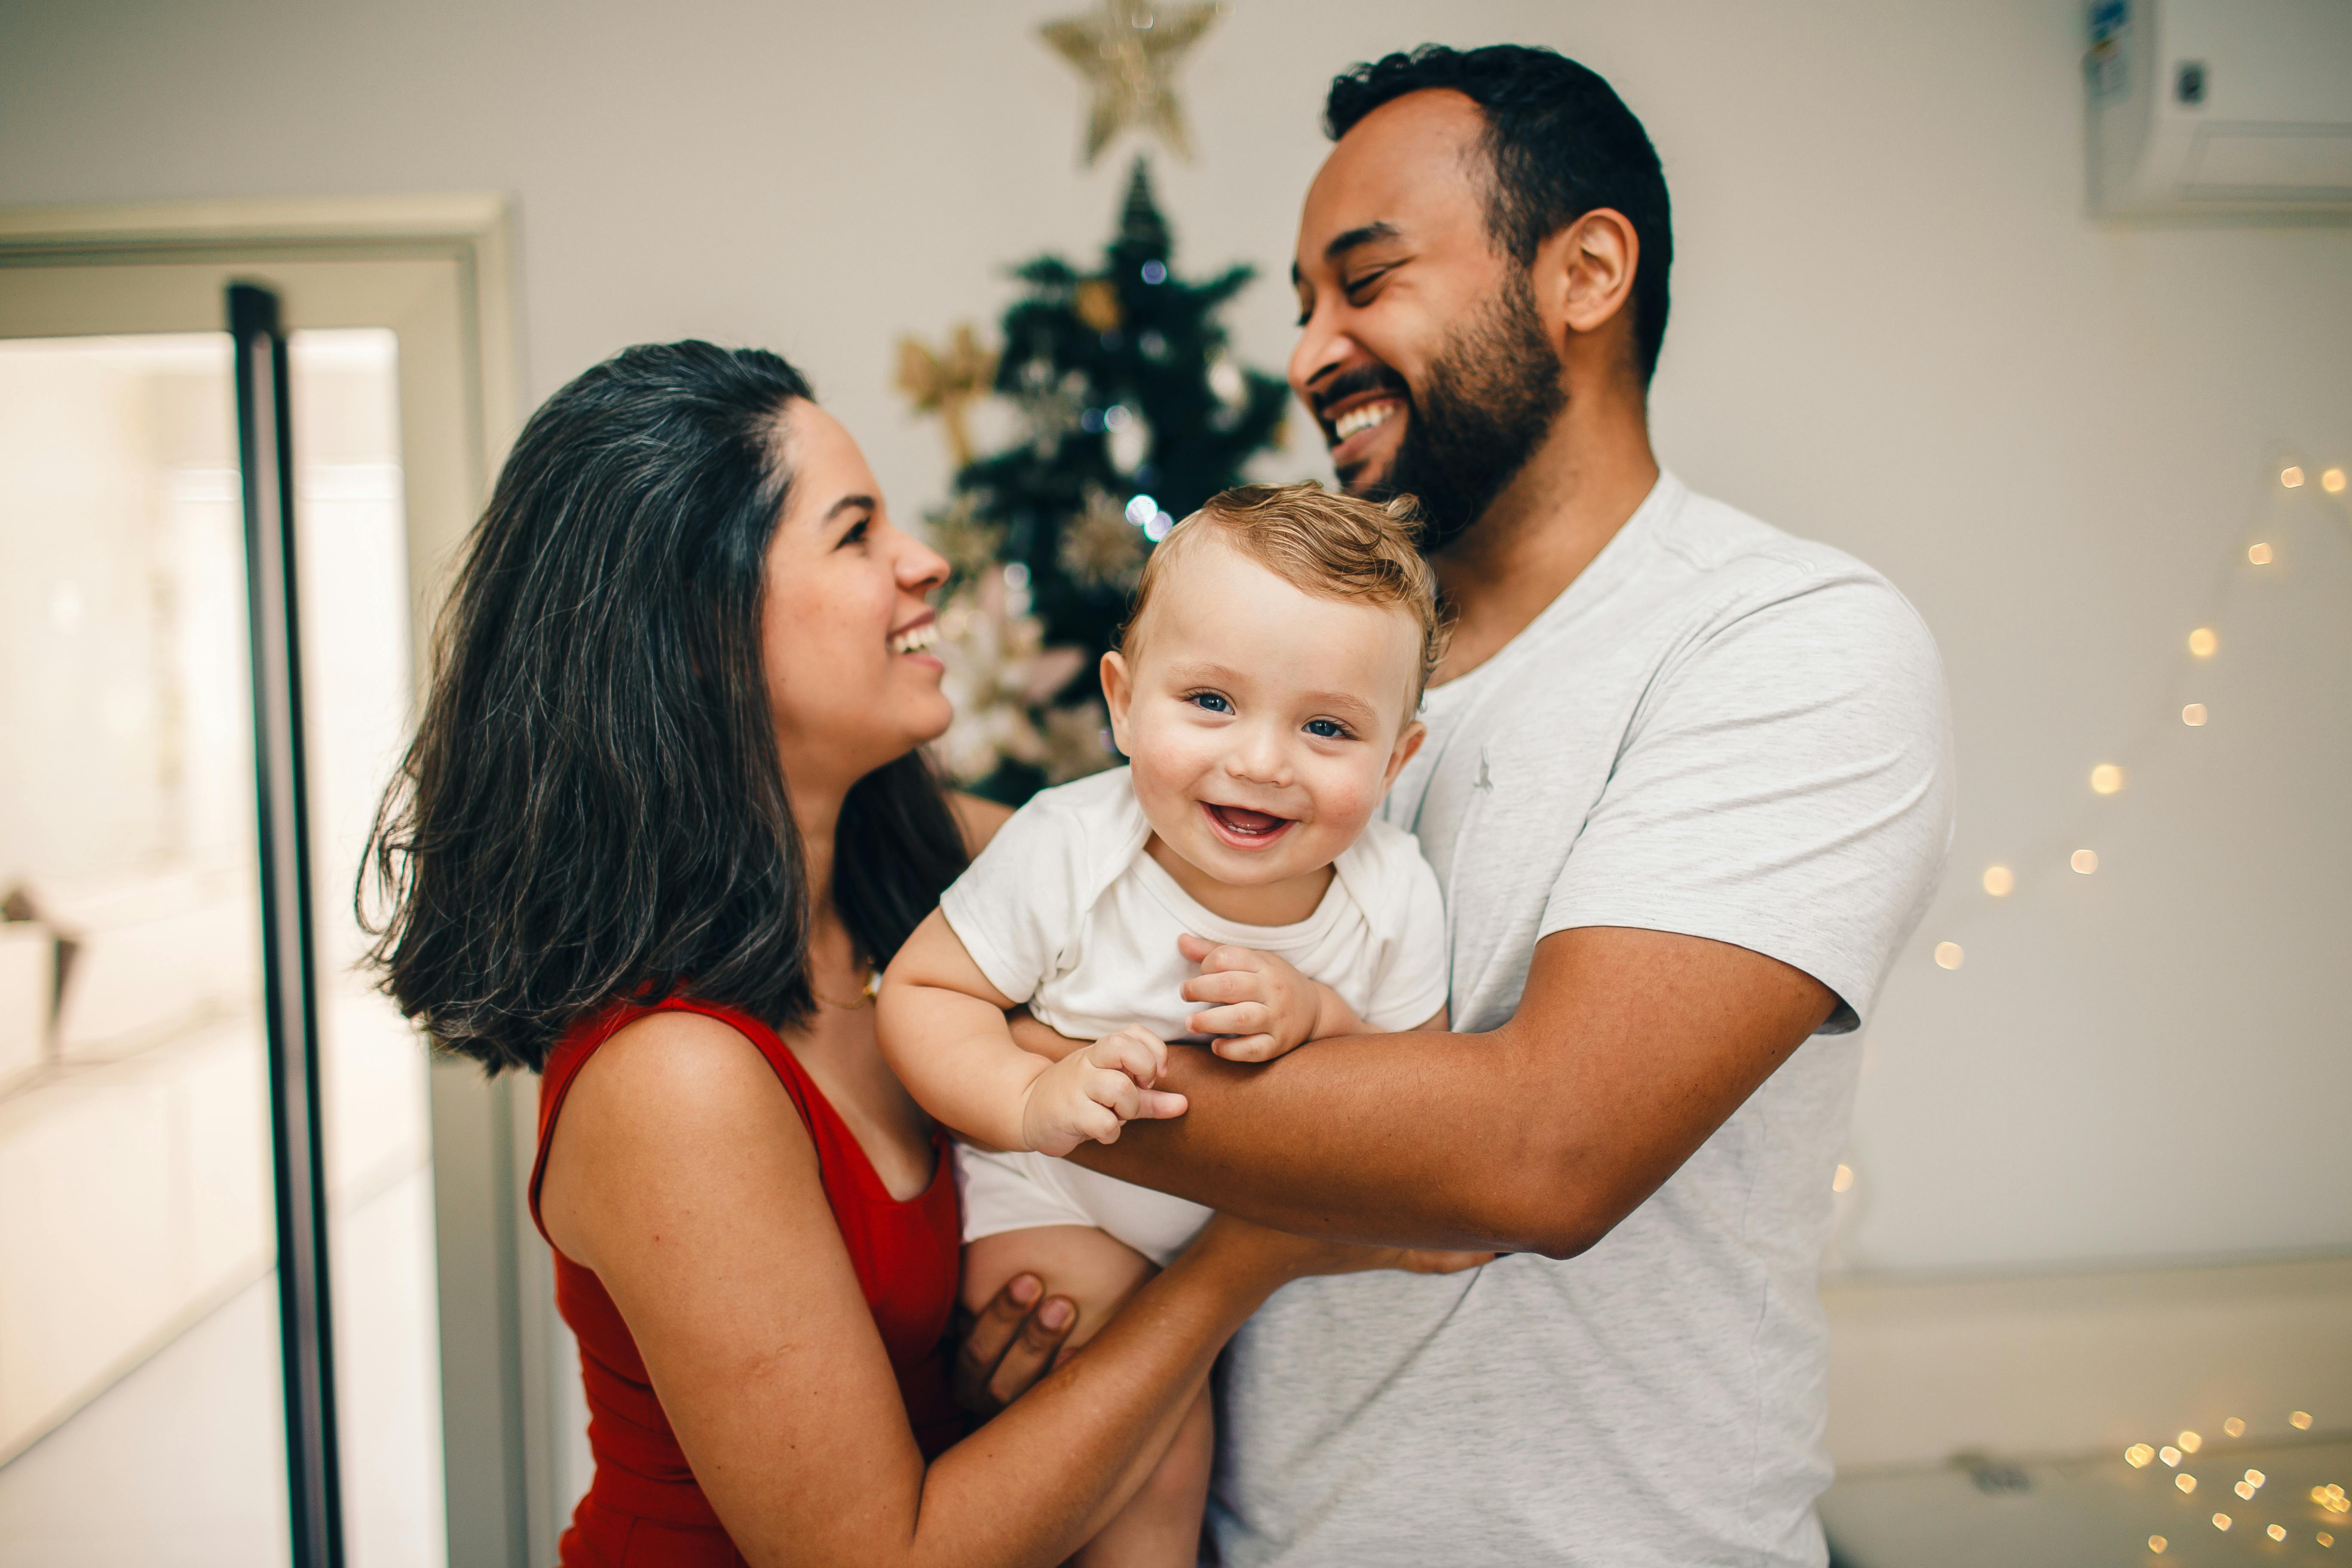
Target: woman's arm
{"points": [[941, 1025], [681, 1174]]}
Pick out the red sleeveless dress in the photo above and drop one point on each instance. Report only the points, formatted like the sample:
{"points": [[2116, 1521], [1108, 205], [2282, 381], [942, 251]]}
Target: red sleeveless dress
{"points": [[644, 1509]]}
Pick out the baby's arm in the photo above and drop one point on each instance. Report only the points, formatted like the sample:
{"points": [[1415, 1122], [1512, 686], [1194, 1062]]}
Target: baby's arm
{"points": [[1261, 1005], [941, 1026]]}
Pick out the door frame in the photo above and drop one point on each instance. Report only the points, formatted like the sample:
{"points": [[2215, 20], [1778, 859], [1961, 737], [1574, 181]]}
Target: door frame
{"points": [[504, 1441]]}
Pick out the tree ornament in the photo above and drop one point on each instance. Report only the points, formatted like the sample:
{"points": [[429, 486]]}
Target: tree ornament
{"points": [[1128, 50], [1096, 301], [1101, 548], [948, 382]]}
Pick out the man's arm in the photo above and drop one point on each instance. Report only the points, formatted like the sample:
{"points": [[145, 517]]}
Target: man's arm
{"points": [[1629, 1048]]}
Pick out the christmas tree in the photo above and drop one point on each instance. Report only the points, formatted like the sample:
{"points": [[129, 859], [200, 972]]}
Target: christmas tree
{"points": [[1134, 413]]}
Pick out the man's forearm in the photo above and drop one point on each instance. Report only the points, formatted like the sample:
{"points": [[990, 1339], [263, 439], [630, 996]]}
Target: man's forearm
{"points": [[1629, 1048], [1398, 1140]]}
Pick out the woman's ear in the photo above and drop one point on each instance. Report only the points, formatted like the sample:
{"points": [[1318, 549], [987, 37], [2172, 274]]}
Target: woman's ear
{"points": [[1116, 691]]}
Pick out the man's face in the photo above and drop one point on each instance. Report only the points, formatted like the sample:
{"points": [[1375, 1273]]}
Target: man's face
{"points": [[1422, 354]]}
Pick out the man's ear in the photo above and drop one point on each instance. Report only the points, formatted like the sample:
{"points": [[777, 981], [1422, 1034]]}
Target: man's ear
{"points": [[1117, 692], [1583, 275], [1407, 743]]}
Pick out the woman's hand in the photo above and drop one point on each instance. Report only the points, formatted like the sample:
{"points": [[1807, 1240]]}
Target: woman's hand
{"points": [[1010, 1346]]}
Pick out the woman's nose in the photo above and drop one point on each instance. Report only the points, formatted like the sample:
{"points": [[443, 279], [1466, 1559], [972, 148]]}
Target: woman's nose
{"points": [[920, 567]]}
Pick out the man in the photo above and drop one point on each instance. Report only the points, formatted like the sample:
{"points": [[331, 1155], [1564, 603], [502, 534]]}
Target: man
{"points": [[1688, 786]]}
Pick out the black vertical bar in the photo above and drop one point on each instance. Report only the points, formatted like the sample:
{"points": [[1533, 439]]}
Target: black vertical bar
{"points": [[290, 1013]]}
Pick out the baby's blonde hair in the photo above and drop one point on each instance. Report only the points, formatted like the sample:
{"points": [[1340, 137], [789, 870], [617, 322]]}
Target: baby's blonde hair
{"points": [[1323, 543]]}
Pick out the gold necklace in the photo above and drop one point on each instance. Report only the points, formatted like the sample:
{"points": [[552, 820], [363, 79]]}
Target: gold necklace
{"points": [[866, 997]]}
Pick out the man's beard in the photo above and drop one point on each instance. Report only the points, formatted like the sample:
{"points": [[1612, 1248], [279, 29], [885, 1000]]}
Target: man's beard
{"points": [[1489, 401]]}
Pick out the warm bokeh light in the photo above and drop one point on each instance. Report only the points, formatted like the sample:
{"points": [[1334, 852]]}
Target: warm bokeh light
{"points": [[2244, 1490], [1998, 880], [2193, 715], [1948, 955], [2300, 1420], [1843, 1181], [2260, 554], [2157, 1544], [2204, 642], [2221, 1521], [2237, 1429], [2185, 1482], [2139, 1455], [2106, 779], [2253, 1478], [2190, 1442], [2169, 1454], [2325, 1539], [2291, 478], [2278, 1532], [2332, 482], [2088, 861]]}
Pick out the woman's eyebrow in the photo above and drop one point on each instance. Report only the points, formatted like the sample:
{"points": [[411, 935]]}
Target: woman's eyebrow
{"points": [[845, 503]]}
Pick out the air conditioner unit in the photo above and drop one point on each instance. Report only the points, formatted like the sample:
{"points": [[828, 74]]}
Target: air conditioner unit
{"points": [[2220, 109]]}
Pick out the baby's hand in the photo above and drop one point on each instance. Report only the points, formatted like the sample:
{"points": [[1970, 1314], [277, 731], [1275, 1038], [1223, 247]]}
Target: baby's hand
{"points": [[1263, 1006], [1092, 1093]]}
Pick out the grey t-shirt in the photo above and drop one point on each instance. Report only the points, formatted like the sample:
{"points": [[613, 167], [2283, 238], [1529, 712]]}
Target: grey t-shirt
{"points": [[1717, 730]]}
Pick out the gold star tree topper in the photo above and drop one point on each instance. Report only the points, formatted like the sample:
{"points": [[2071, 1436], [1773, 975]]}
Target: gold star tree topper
{"points": [[1128, 49]]}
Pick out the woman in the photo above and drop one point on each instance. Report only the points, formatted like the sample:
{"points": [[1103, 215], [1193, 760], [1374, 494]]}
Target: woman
{"points": [[662, 819]]}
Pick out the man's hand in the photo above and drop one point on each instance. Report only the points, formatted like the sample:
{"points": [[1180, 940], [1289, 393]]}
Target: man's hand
{"points": [[1261, 1006], [1010, 1343], [1092, 1093]]}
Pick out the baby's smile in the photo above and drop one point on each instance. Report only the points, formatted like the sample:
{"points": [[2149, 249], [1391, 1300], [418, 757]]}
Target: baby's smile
{"points": [[1245, 828]]}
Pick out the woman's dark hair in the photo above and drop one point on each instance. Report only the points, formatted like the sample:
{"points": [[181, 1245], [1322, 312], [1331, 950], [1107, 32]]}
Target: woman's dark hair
{"points": [[594, 809], [1559, 143]]}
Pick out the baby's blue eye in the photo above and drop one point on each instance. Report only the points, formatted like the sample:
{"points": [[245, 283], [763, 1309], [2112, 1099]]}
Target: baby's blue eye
{"points": [[1214, 701], [1327, 728]]}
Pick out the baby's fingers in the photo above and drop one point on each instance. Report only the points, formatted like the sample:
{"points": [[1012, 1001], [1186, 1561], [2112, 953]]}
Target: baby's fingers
{"points": [[1242, 1019], [1248, 1047], [1115, 1093], [1158, 1104], [1139, 1056], [1212, 957], [1225, 986]]}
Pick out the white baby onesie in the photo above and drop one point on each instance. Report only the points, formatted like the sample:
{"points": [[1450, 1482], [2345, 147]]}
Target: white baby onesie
{"points": [[1065, 911]]}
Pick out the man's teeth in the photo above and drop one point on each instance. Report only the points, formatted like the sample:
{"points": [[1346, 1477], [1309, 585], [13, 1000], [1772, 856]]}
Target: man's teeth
{"points": [[916, 638], [1363, 418]]}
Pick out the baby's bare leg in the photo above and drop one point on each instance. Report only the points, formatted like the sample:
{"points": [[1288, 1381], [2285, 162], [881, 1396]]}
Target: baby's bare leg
{"points": [[1161, 1525]]}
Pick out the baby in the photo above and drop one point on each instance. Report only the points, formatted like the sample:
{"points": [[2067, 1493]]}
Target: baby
{"points": [[1229, 886]]}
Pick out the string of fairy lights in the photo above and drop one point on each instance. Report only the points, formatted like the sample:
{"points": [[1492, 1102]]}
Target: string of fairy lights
{"points": [[2328, 1498], [2076, 850]]}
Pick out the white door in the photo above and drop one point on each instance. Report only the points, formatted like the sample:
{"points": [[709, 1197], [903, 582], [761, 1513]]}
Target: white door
{"points": [[144, 1323]]}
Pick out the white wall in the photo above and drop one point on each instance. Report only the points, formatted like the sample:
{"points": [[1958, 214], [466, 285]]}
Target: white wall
{"points": [[1894, 331]]}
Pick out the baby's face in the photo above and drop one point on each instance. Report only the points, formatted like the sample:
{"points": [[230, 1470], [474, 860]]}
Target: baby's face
{"points": [[1263, 724]]}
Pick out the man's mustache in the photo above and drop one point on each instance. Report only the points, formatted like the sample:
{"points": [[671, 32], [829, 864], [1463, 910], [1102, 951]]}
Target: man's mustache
{"points": [[1363, 378]]}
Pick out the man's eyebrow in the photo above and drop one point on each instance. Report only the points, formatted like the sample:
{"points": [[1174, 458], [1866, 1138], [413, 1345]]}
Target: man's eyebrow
{"points": [[1362, 234], [846, 503]]}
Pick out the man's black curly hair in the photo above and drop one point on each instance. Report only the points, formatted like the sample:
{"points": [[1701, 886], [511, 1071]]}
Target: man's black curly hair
{"points": [[1559, 142]]}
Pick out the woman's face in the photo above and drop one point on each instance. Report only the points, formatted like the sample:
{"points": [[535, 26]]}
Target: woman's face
{"points": [[845, 628]]}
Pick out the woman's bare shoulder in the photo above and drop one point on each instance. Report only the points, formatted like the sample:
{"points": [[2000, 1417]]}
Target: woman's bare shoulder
{"points": [[978, 817], [672, 1099]]}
